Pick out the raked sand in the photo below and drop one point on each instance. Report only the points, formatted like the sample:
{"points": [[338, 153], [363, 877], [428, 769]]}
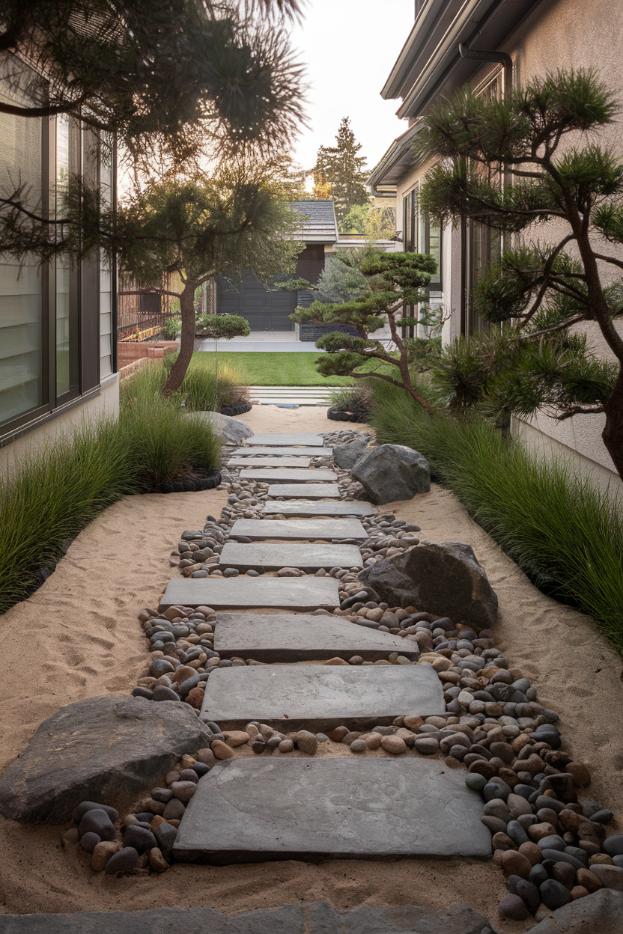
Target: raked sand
{"points": [[78, 636]]}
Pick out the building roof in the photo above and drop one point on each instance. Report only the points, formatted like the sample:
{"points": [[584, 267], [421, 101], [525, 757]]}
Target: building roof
{"points": [[396, 161], [318, 222]]}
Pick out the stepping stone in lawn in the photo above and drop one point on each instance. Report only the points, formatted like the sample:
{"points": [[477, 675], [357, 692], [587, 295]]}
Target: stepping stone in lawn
{"points": [[299, 528], [269, 462], [300, 507], [251, 809], [309, 440], [294, 593], [259, 451], [311, 491], [288, 474], [320, 697], [270, 556], [293, 637]]}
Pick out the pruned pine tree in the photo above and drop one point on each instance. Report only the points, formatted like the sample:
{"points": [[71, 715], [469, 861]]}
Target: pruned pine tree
{"points": [[393, 281], [542, 141], [171, 81], [199, 229]]}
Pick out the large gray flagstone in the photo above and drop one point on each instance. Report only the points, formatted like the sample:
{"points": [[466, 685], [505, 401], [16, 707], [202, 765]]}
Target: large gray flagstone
{"points": [[259, 451], [287, 440], [249, 809], [301, 507], [293, 637], [299, 528], [288, 593], [288, 474], [300, 918], [270, 556], [311, 491], [269, 462], [319, 697]]}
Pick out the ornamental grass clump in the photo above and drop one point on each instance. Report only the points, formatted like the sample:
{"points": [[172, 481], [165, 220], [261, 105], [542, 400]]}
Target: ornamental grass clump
{"points": [[565, 534]]}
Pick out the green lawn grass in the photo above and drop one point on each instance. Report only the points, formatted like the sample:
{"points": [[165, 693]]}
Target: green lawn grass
{"points": [[273, 369]]}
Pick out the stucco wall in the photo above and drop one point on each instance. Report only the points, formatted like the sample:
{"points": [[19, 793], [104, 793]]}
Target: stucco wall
{"points": [[104, 404]]}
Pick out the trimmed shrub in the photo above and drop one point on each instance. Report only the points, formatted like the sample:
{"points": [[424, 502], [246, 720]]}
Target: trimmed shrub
{"points": [[565, 534]]}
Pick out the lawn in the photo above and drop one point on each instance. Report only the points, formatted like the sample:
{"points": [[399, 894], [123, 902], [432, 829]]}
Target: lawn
{"points": [[273, 369]]}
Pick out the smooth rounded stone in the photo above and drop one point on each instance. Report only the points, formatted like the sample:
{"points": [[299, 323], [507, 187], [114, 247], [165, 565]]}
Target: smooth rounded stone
{"points": [[497, 808], [602, 816], [286, 745], [551, 842], [139, 838], [235, 738], [588, 879], [518, 805], [516, 832], [184, 790], [515, 863], [174, 809], [102, 853], [426, 745], [395, 745], [538, 874], [513, 908], [493, 824], [496, 789], [124, 860], [554, 894], [206, 756], [99, 822], [258, 746], [613, 845], [307, 742], [166, 835], [527, 891], [611, 877], [221, 750], [618, 861], [374, 740], [531, 852], [89, 840], [358, 745], [163, 693], [475, 781], [563, 873], [157, 861], [85, 806]]}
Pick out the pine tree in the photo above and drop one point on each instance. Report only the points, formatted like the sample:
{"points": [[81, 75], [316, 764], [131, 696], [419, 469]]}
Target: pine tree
{"points": [[537, 293], [343, 170]]}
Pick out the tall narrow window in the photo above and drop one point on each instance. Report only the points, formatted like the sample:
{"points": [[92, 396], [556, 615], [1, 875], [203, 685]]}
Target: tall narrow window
{"points": [[21, 282], [66, 271], [106, 169]]}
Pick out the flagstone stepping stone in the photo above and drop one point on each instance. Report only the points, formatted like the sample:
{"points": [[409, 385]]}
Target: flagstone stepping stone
{"points": [[289, 474], [309, 440], [303, 808], [320, 697], [299, 528], [300, 507], [259, 451], [303, 918], [294, 593], [270, 556], [269, 461], [291, 637], [312, 491]]}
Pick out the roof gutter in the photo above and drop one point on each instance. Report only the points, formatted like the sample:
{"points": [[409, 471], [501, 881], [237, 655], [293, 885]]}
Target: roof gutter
{"points": [[491, 55]]}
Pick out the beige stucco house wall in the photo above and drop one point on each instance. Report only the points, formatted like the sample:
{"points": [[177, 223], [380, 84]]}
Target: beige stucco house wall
{"points": [[554, 34]]}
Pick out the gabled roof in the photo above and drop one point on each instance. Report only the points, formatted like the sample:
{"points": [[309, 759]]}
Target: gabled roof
{"points": [[318, 222]]}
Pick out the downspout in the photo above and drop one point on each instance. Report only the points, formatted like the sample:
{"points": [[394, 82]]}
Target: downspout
{"points": [[481, 55]]}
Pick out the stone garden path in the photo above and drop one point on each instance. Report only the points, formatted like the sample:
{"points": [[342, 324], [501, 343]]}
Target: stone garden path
{"points": [[326, 806]]}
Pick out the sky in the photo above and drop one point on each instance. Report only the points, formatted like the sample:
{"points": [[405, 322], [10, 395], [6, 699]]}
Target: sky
{"points": [[348, 48]]}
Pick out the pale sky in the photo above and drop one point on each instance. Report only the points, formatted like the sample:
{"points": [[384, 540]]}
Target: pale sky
{"points": [[348, 48]]}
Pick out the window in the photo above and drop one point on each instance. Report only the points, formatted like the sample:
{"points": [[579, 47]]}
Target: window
{"points": [[56, 317], [22, 284], [421, 235], [484, 244]]}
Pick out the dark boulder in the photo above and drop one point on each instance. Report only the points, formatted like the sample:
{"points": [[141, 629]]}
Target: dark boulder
{"points": [[392, 472]]}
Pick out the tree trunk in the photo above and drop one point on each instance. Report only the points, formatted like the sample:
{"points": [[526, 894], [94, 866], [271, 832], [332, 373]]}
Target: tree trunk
{"points": [[187, 341], [613, 432]]}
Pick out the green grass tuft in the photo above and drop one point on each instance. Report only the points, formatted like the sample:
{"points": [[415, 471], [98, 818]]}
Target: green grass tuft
{"points": [[565, 534], [60, 489]]}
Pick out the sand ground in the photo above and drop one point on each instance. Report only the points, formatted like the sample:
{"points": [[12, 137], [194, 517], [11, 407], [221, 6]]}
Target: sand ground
{"points": [[78, 636]]}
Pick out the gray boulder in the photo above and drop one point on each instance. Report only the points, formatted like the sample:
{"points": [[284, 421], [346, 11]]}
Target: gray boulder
{"points": [[346, 455], [445, 579], [599, 913], [230, 430], [391, 472], [102, 749]]}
